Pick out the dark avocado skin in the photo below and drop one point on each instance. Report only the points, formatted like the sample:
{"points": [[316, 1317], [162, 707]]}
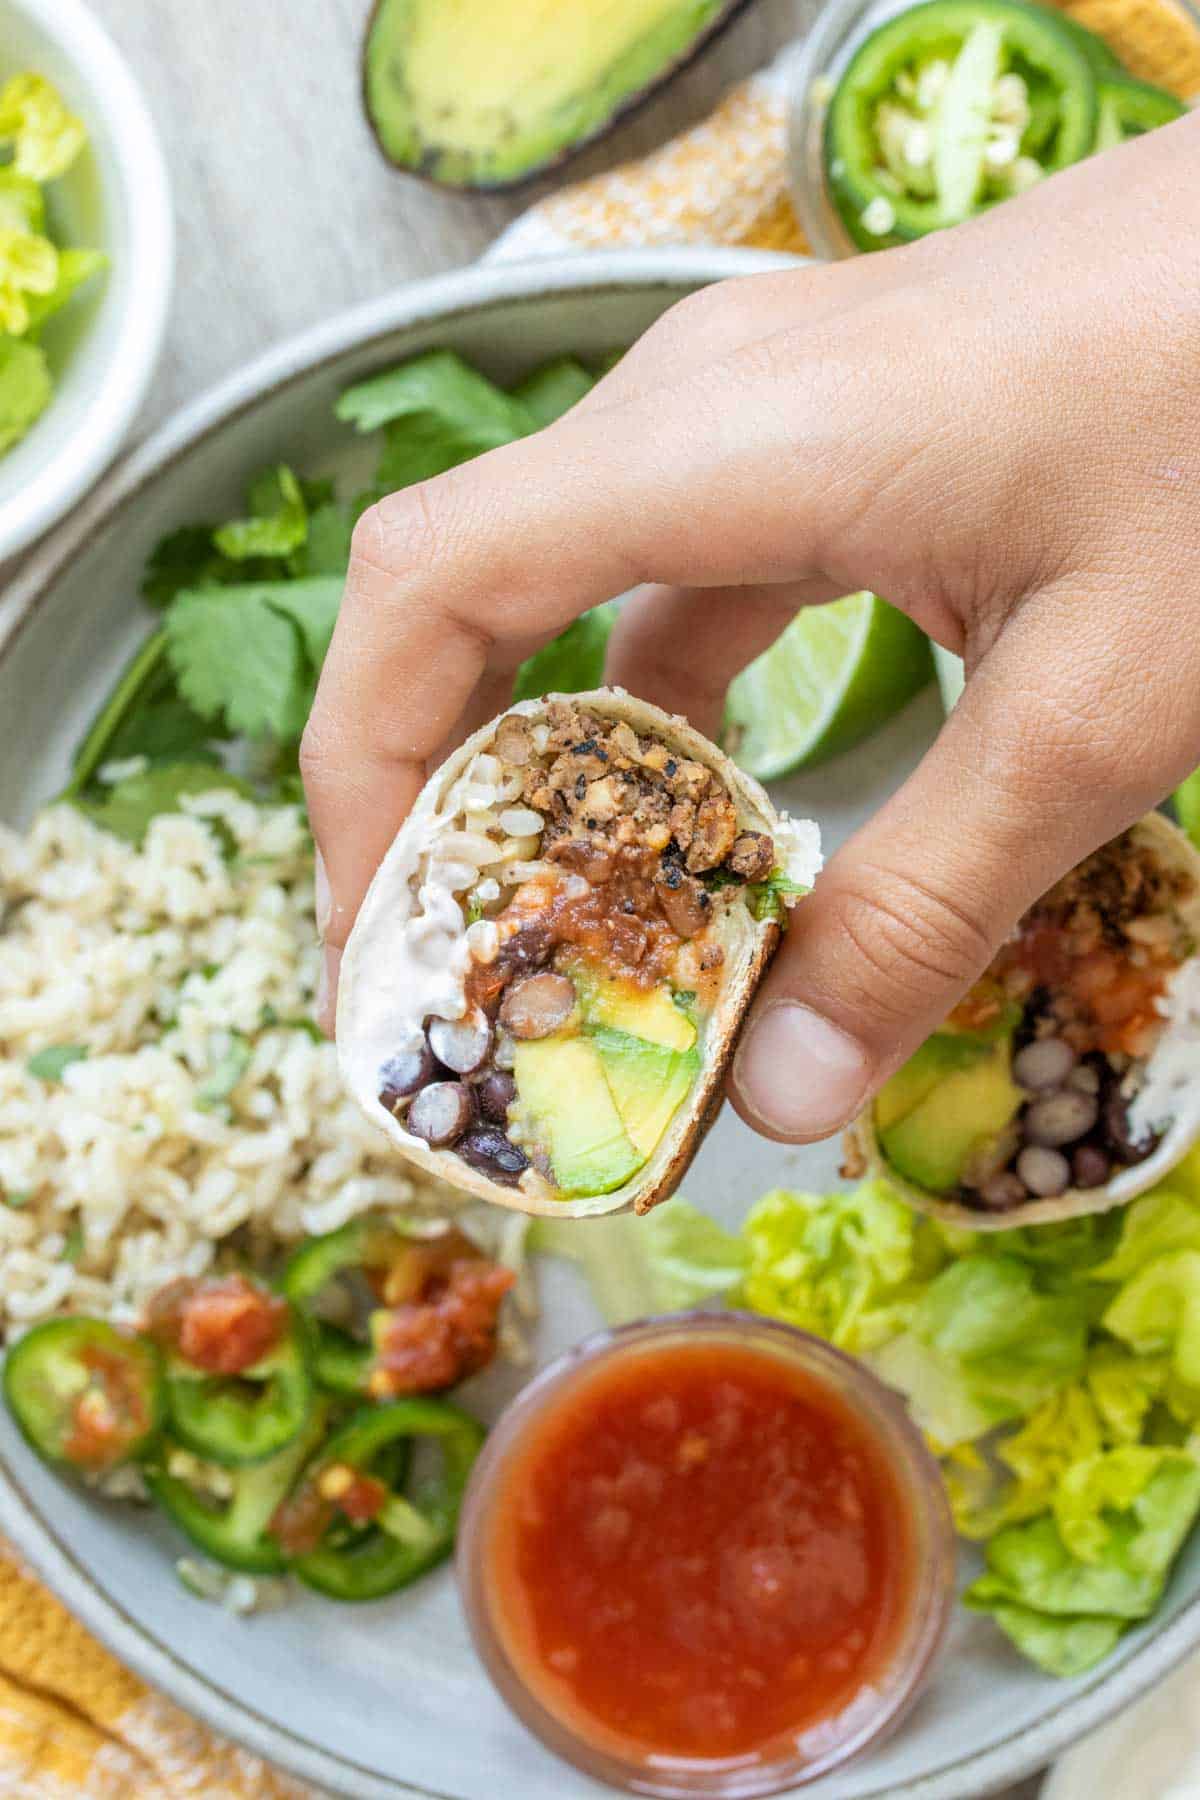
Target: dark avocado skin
{"points": [[622, 109]]}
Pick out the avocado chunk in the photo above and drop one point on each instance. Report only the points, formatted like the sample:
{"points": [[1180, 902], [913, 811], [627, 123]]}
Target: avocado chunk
{"points": [[567, 1104], [611, 1004], [489, 93], [939, 1056], [648, 1082], [930, 1143]]}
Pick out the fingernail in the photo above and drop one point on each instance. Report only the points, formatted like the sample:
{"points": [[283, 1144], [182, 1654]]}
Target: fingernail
{"points": [[801, 1076], [322, 898], [331, 962]]}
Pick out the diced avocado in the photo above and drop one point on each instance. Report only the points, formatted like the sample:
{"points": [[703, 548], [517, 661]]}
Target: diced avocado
{"points": [[648, 1082], [562, 1093], [931, 1143], [939, 1056], [489, 93], [615, 1005]]}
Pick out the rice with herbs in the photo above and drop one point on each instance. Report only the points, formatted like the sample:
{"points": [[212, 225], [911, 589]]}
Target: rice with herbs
{"points": [[205, 1105]]}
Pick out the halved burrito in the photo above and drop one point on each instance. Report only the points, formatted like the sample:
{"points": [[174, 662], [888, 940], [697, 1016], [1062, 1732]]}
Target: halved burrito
{"points": [[544, 986], [1068, 1079]]}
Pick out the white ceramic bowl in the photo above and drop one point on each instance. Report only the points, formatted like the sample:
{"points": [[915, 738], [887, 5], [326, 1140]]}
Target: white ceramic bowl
{"points": [[116, 198], [387, 1701]]}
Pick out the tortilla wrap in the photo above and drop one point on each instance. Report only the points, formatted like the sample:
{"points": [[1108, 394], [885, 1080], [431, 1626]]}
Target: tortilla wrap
{"points": [[1168, 1099], [408, 954]]}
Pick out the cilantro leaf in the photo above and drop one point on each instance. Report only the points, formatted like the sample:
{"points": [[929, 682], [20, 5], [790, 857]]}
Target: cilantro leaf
{"points": [[573, 662], [48, 1064], [73, 1243], [127, 808], [215, 1090], [184, 558], [248, 655], [326, 550], [437, 412], [553, 389], [278, 522], [769, 898]]}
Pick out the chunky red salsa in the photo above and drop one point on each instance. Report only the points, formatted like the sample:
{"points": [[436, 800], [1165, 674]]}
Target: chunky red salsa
{"points": [[700, 1551]]}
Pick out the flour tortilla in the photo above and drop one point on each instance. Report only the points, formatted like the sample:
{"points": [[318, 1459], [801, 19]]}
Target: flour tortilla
{"points": [[1170, 1096], [371, 1012]]}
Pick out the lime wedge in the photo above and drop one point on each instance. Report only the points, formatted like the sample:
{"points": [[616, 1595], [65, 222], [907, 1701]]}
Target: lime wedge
{"points": [[837, 673]]}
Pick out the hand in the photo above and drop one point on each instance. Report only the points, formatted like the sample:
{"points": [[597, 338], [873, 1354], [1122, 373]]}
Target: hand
{"points": [[998, 428]]}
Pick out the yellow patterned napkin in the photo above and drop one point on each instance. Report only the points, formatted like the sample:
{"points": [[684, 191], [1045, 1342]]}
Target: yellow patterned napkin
{"points": [[74, 1724]]}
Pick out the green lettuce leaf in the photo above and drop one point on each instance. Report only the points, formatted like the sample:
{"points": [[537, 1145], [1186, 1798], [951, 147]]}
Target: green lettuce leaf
{"points": [[22, 203], [75, 267], [436, 412], [674, 1257], [1130, 1510], [34, 120], [553, 389], [1158, 1312], [1161, 1221], [849, 1267], [1062, 1647], [25, 388], [573, 662]]}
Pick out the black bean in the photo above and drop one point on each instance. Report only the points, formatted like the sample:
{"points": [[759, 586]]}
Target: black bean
{"points": [[1003, 1191], [1045, 1063], [538, 1006], [1089, 1166], [1060, 1118], [404, 1072], [1044, 1172], [461, 1045], [441, 1113], [496, 1093], [1117, 1133], [489, 1151]]}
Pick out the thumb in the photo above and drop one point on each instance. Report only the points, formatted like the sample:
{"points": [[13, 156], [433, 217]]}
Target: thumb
{"points": [[1022, 783]]}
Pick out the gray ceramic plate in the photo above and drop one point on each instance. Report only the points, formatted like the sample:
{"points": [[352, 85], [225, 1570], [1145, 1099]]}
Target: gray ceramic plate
{"points": [[388, 1700]]}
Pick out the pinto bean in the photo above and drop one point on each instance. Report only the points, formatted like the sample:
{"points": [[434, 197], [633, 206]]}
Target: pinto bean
{"points": [[538, 1006], [461, 1045], [441, 1113]]}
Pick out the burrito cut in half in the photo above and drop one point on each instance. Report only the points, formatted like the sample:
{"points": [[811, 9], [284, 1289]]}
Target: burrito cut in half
{"points": [[1068, 1079], [543, 989]]}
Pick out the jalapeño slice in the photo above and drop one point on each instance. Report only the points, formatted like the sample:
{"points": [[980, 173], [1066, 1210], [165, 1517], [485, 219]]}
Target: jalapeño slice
{"points": [[85, 1394], [947, 57], [352, 1482], [247, 1417], [235, 1531], [1128, 108]]}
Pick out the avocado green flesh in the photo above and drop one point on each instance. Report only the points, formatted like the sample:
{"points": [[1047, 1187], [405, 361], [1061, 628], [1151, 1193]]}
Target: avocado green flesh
{"points": [[648, 1082], [600, 1102], [485, 93], [567, 1100], [615, 1005], [953, 1110]]}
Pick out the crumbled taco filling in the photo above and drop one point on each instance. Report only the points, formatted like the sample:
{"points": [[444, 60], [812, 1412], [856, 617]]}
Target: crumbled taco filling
{"points": [[1027, 1089], [596, 955]]}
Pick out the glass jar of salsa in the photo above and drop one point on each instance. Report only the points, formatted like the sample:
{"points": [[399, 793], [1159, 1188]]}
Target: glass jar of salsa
{"points": [[707, 1555]]}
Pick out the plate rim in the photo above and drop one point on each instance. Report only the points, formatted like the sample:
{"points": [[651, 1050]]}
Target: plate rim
{"points": [[32, 1534]]}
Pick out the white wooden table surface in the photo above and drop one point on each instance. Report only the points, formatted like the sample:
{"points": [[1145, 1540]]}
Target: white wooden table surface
{"points": [[285, 211]]}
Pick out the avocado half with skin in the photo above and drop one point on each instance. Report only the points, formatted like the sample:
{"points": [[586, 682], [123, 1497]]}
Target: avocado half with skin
{"points": [[486, 94], [416, 953], [1170, 1086]]}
